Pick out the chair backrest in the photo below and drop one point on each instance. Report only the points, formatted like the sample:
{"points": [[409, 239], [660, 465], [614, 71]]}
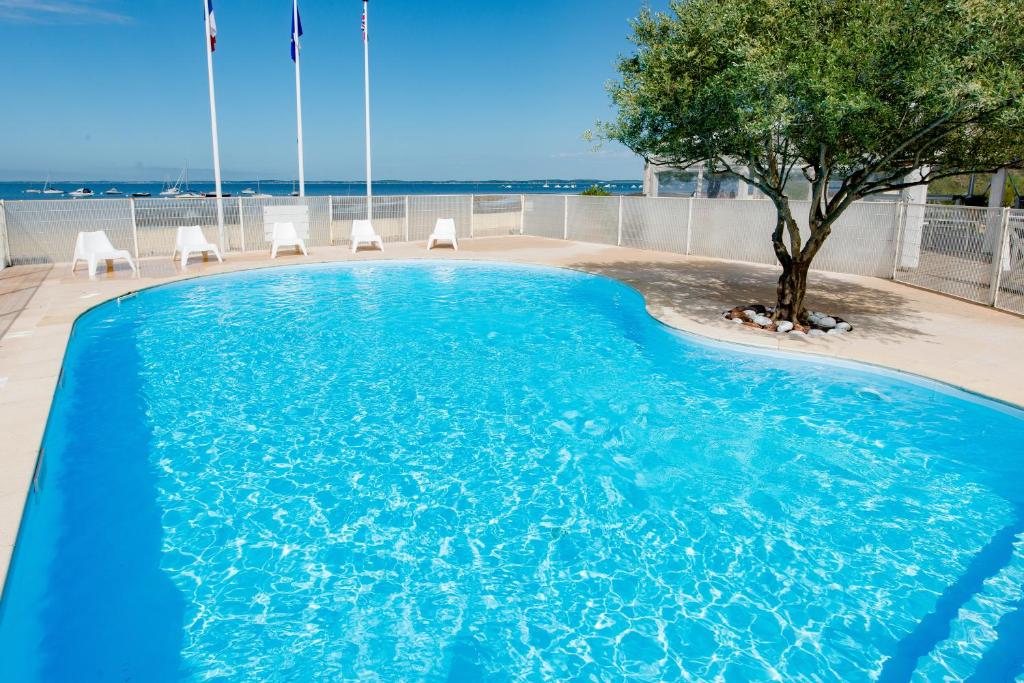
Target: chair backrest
{"points": [[191, 234], [362, 229], [91, 242], [445, 227], [296, 214], [285, 232]]}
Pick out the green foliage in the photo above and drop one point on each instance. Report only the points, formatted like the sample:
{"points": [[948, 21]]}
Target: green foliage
{"points": [[596, 191], [862, 91]]}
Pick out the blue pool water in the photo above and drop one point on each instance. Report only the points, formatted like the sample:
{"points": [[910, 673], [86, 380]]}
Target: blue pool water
{"points": [[431, 471]]}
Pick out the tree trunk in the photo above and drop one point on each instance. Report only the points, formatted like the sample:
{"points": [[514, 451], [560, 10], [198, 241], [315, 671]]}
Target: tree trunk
{"points": [[790, 293]]}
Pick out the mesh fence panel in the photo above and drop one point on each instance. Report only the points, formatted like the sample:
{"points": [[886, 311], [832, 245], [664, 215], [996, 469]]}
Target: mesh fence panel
{"points": [[158, 220], [1011, 279], [252, 229], [593, 219], [45, 230], [735, 229], [424, 212], [656, 224], [544, 216], [4, 251], [862, 241], [497, 215], [949, 249]]}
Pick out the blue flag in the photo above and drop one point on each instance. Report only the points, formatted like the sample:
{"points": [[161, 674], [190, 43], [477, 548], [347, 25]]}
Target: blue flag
{"points": [[294, 32]]}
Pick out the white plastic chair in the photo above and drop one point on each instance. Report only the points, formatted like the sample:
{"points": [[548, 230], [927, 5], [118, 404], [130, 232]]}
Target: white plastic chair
{"points": [[363, 233], [284, 235], [93, 247], [191, 240], [444, 231]]}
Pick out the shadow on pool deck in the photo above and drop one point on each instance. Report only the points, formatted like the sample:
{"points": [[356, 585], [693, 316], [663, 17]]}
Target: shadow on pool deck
{"points": [[702, 290], [17, 286]]}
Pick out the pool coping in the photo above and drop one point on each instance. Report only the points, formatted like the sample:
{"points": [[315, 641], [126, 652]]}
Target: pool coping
{"points": [[41, 366]]}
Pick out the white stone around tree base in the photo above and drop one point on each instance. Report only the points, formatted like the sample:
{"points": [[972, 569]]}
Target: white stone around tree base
{"points": [[784, 326]]}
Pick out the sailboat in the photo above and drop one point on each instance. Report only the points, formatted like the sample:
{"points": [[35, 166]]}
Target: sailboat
{"points": [[257, 193], [173, 190], [46, 189], [188, 193]]}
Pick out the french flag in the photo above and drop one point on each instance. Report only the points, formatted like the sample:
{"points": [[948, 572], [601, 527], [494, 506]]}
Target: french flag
{"points": [[213, 26]]}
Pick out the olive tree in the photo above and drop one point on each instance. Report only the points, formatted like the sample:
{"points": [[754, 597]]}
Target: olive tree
{"points": [[858, 96]]}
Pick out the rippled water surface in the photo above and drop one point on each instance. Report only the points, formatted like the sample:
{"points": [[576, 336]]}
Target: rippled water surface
{"points": [[473, 472]]}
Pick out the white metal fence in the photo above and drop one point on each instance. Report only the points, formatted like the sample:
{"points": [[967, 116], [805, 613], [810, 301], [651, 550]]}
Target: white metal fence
{"points": [[971, 253]]}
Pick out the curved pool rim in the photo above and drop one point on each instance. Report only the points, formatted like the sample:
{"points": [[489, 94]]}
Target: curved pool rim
{"points": [[704, 338]]}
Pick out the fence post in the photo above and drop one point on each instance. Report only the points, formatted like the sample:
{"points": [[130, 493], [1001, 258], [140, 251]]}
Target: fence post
{"points": [[135, 230], [472, 218], [618, 239], [901, 221], [689, 223], [996, 280], [405, 221], [565, 220], [241, 224], [5, 255], [330, 220], [522, 214]]}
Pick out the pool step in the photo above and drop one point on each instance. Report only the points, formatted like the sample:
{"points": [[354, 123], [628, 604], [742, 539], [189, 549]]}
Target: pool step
{"points": [[973, 631]]}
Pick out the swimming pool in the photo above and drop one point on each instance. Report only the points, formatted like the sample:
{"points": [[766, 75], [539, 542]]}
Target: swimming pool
{"points": [[437, 471]]}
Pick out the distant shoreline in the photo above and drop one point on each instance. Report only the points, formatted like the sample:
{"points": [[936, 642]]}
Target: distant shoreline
{"points": [[32, 190]]}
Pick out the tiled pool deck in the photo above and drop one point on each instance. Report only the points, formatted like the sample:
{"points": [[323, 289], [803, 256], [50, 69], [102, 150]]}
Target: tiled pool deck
{"points": [[895, 326]]}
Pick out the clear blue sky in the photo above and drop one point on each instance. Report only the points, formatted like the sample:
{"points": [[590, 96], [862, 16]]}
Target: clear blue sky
{"points": [[492, 89]]}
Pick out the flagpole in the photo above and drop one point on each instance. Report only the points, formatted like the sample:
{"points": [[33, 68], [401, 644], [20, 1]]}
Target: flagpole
{"points": [[366, 82], [213, 128], [298, 96]]}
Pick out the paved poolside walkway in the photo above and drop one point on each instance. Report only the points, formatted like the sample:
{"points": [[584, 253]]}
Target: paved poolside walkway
{"points": [[895, 326]]}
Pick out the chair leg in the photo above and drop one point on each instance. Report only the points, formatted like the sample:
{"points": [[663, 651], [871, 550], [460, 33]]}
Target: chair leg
{"points": [[92, 268]]}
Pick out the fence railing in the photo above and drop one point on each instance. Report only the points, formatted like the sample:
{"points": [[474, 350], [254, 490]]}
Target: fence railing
{"points": [[972, 253]]}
